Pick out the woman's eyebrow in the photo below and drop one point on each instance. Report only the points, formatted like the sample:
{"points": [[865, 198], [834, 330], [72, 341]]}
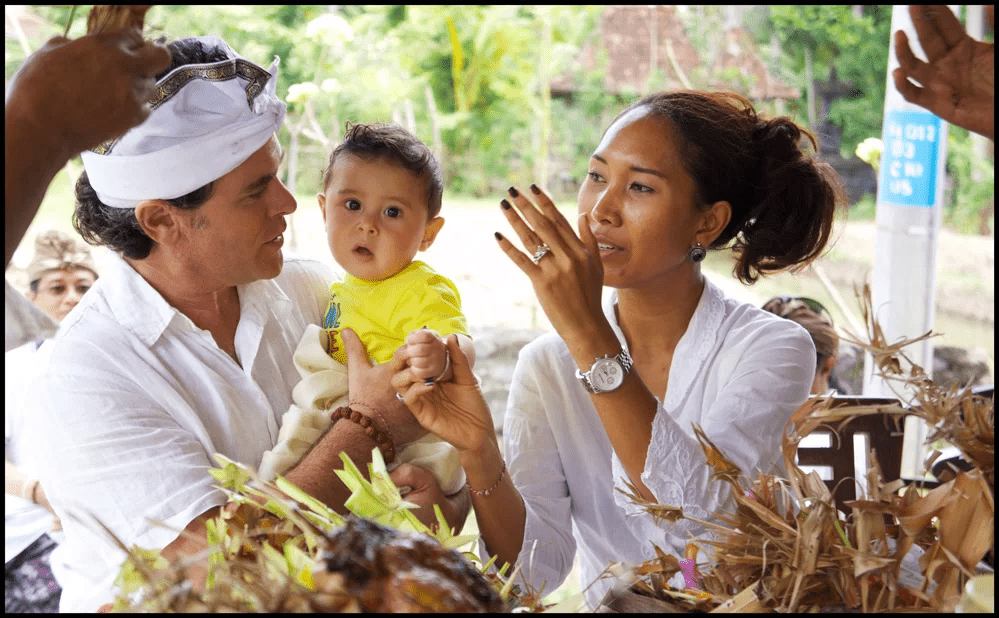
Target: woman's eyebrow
{"points": [[634, 168]]}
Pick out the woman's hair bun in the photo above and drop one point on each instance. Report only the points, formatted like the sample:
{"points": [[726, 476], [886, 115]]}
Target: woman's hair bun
{"points": [[778, 139]]}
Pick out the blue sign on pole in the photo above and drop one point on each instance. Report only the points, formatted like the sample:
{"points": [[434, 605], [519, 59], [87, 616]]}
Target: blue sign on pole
{"points": [[909, 161]]}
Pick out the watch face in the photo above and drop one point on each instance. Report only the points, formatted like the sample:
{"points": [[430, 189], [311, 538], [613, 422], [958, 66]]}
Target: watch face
{"points": [[606, 374]]}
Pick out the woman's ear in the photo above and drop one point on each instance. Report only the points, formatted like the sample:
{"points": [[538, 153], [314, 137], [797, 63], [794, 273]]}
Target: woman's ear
{"points": [[433, 227], [714, 220], [159, 220]]}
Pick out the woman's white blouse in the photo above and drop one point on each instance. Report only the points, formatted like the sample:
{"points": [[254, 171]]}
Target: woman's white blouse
{"points": [[135, 399], [738, 372]]}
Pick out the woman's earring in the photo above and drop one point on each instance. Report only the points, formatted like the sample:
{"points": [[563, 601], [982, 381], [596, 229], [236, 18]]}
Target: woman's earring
{"points": [[697, 253]]}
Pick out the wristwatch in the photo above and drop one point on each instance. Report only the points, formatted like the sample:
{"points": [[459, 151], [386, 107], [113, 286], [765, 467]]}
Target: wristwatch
{"points": [[606, 373]]}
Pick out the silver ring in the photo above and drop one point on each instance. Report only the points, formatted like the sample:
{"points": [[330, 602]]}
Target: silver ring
{"points": [[540, 252], [400, 398]]}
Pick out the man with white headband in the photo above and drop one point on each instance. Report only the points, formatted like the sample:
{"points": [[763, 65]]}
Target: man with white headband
{"points": [[184, 346]]}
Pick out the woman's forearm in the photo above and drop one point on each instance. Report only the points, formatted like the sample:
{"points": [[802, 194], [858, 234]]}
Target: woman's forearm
{"points": [[626, 413], [501, 515]]}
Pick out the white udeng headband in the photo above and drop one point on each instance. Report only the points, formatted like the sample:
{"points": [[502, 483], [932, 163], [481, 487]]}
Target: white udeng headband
{"points": [[207, 119]]}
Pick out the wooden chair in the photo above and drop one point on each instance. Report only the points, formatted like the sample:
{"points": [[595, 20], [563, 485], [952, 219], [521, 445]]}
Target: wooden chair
{"points": [[883, 432]]}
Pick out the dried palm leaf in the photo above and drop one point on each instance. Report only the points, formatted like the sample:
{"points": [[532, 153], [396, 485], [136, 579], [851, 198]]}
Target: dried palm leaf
{"points": [[766, 555]]}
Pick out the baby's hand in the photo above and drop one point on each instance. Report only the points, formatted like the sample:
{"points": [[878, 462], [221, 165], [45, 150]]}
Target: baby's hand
{"points": [[427, 354]]}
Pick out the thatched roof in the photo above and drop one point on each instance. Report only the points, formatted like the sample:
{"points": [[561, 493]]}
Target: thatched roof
{"points": [[626, 33]]}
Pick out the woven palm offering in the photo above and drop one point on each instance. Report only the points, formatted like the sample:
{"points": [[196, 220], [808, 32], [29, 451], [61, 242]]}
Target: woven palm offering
{"points": [[274, 548], [786, 548]]}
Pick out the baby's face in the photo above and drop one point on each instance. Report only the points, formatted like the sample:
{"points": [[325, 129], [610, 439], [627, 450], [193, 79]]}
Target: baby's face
{"points": [[376, 216]]}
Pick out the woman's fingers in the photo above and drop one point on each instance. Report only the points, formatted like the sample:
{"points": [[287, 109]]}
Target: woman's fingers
{"points": [[548, 207], [531, 226], [538, 222], [586, 234], [522, 262], [459, 362]]}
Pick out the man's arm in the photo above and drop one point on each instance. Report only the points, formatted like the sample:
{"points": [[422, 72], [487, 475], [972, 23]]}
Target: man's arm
{"points": [[315, 474], [69, 96]]}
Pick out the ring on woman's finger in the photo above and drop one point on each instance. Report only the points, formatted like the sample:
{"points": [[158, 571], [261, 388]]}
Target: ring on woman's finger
{"points": [[399, 397], [540, 252]]}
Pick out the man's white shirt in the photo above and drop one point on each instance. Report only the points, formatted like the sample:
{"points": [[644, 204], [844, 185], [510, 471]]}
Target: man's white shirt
{"points": [[135, 399]]}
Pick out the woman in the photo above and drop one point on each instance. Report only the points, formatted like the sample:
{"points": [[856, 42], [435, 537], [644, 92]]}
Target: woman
{"points": [[613, 395]]}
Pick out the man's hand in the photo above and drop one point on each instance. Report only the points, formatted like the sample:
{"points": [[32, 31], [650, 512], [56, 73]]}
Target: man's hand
{"points": [[427, 354], [425, 492], [89, 90], [371, 387], [958, 81]]}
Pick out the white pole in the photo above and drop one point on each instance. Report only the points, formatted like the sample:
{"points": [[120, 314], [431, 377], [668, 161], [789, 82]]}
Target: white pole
{"points": [[909, 206]]}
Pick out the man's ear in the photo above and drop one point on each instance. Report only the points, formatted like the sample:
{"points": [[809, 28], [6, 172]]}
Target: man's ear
{"points": [[159, 220], [433, 228], [714, 221]]}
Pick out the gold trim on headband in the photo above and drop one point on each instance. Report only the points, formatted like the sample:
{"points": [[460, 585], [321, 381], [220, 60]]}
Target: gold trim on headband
{"points": [[215, 72]]}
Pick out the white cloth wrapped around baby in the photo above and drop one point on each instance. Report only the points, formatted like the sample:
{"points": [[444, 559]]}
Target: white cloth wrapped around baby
{"points": [[323, 389]]}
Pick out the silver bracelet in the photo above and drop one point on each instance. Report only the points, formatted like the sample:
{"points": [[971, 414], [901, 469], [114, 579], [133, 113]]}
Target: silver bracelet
{"points": [[447, 365], [485, 492]]}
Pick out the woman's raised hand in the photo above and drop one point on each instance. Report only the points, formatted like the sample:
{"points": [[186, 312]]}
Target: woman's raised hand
{"points": [[454, 410], [564, 268]]}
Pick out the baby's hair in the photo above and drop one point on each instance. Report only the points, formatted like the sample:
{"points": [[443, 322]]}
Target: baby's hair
{"points": [[783, 202], [395, 144]]}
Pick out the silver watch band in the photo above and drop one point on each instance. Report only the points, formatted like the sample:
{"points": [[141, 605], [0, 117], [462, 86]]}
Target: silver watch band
{"points": [[623, 358]]}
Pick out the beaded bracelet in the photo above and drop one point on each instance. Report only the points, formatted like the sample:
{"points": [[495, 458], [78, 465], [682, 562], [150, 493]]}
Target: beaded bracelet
{"points": [[388, 429], [381, 439], [485, 492]]}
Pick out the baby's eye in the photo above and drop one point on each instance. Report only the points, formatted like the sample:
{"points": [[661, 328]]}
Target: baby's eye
{"points": [[353, 205], [393, 212], [641, 188], [595, 177]]}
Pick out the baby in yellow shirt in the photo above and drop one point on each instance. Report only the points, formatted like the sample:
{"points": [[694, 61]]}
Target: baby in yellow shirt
{"points": [[381, 201]]}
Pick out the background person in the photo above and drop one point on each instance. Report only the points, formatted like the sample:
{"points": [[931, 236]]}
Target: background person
{"points": [[608, 402], [60, 273], [814, 318]]}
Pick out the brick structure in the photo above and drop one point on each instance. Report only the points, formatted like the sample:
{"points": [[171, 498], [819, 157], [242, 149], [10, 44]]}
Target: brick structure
{"points": [[626, 36]]}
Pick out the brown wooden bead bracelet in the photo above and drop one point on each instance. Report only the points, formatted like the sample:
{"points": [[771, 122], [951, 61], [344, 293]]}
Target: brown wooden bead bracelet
{"points": [[381, 438]]}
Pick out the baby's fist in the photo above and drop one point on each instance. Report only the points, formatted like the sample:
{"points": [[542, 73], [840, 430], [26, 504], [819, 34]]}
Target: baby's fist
{"points": [[427, 354]]}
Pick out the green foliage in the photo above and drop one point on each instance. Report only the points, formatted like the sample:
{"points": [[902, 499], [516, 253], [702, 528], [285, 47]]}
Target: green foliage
{"points": [[858, 50], [972, 203], [864, 209]]}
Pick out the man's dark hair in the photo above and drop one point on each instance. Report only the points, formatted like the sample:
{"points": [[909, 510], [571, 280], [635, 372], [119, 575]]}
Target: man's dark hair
{"points": [[395, 144], [117, 228]]}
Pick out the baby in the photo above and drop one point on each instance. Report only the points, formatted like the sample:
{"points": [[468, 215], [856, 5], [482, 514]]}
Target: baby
{"points": [[380, 202]]}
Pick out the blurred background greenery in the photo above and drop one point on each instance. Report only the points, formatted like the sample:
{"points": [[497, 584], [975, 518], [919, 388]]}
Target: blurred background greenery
{"points": [[514, 94]]}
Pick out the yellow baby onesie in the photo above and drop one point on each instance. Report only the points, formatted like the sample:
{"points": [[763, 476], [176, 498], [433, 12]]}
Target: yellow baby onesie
{"points": [[382, 313]]}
